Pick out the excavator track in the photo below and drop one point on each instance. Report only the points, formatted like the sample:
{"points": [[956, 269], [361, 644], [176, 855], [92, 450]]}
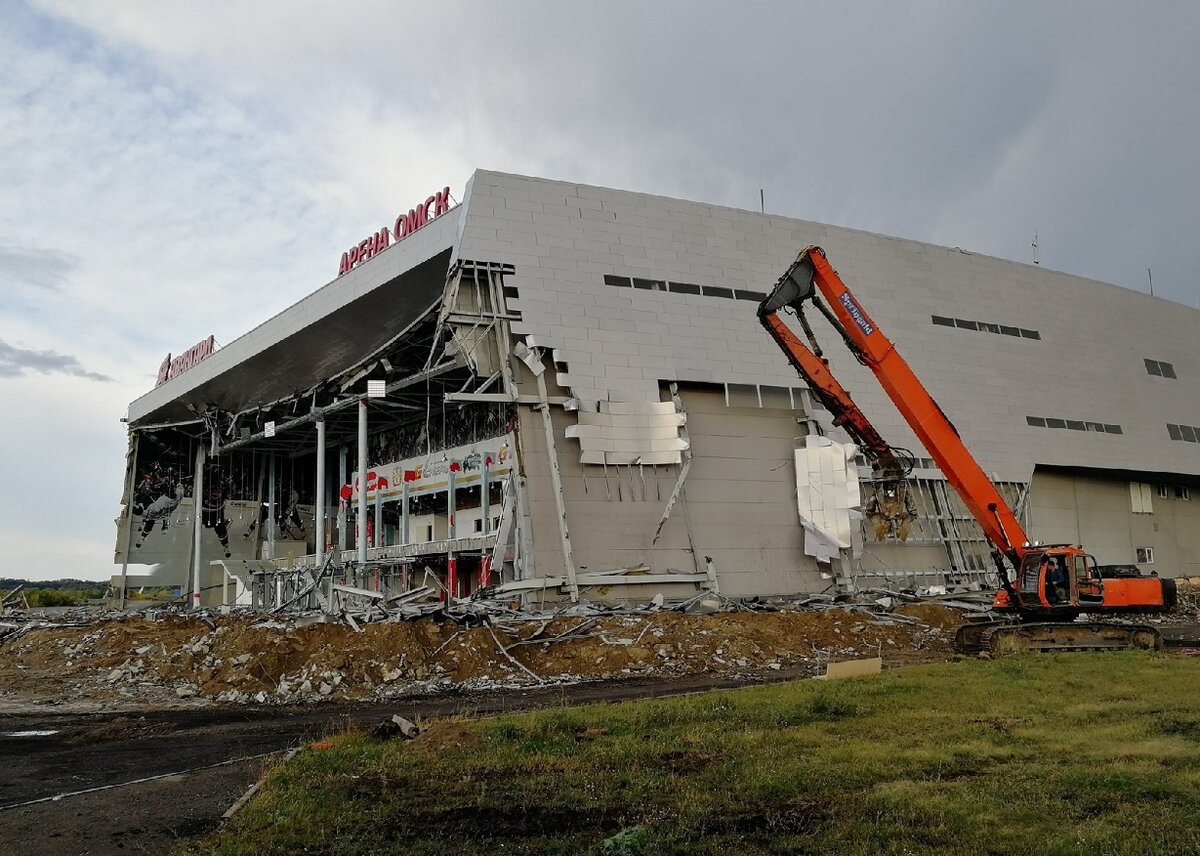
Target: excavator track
{"points": [[998, 639]]}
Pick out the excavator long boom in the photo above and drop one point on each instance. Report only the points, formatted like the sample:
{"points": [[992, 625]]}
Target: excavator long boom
{"points": [[811, 273]]}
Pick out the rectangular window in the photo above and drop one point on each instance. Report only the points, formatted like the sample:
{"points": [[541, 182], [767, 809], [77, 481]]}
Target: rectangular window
{"points": [[684, 288], [965, 325], [1056, 423], [1173, 432], [1145, 555], [1141, 498], [1112, 429], [1163, 491], [756, 296], [650, 284], [942, 321], [1182, 492], [619, 281], [1075, 425], [1188, 432], [1010, 331], [1095, 426], [990, 328], [1036, 421], [1160, 369], [478, 524], [1030, 334], [718, 291]]}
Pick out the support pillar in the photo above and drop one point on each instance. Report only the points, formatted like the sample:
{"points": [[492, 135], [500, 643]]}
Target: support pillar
{"points": [[130, 487], [452, 578], [343, 508], [564, 536], [405, 537], [272, 511], [361, 539], [319, 495], [198, 497], [485, 494]]}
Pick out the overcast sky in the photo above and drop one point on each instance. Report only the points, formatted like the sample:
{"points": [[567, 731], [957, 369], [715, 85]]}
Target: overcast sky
{"points": [[171, 170]]}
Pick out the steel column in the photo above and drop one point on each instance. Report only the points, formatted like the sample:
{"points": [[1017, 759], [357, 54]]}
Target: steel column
{"points": [[129, 517], [272, 512], [198, 498], [361, 537], [319, 495]]}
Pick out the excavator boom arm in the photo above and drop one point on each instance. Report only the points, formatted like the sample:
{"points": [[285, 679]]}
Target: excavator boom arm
{"points": [[828, 390], [812, 272]]}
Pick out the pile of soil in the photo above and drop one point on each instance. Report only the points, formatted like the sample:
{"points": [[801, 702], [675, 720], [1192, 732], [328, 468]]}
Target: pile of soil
{"points": [[241, 660]]}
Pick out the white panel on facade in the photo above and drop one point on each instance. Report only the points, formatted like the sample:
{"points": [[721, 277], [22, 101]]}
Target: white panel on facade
{"points": [[827, 495]]}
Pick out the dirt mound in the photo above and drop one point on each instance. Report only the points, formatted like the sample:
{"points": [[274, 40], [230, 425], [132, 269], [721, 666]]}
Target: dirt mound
{"points": [[933, 614], [245, 659]]}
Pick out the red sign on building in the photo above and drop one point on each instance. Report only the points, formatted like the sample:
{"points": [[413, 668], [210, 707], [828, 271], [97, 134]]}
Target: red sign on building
{"points": [[404, 225], [194, 354]]}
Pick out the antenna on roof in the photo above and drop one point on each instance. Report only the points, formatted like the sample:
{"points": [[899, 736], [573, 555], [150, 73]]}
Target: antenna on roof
{"points": [[762, 201], [1035, 247]]}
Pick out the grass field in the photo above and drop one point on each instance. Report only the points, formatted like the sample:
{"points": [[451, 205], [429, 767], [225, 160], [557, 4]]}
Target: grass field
{"points": [[1064, 754]]}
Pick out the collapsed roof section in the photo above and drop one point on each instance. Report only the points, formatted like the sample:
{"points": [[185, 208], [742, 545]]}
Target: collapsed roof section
{"points": [[311, 361]]}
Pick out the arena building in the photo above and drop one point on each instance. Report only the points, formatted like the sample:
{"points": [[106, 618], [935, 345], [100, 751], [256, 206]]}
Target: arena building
{"points": [[563, 392]]}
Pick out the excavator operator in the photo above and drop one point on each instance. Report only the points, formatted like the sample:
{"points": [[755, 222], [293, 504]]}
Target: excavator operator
{"points": [[1056, 581]]}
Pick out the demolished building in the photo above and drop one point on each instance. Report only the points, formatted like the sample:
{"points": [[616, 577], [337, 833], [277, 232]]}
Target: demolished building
{"points": [[553, 391]]}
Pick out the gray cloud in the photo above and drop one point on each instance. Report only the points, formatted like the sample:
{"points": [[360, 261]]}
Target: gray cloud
{"points": [[39, 268], [15, 362]]}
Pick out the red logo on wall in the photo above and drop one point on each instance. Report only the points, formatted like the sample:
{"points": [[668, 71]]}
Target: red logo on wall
{"points": [[404, 226], [194, 354]]}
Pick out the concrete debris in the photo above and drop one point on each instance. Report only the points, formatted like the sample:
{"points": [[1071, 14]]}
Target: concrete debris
{"points": [[396, 726], [168, 656]]}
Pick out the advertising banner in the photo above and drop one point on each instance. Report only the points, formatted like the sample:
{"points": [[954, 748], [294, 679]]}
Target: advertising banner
{"points": [[429, 473]]}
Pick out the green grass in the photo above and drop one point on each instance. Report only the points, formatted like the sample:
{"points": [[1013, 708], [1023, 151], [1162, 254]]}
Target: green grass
{"points": [[1065, 754]]}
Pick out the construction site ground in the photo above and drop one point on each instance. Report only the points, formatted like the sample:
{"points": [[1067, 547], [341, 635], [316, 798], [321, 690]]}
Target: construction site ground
{"points": [[144, 781], [125, 734]]}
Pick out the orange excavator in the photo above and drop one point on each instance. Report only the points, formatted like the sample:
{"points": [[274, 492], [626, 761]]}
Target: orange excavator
{"points": [[1044, 588]]}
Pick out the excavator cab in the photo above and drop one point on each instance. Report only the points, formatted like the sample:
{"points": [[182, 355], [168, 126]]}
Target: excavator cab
{"points": [[1059, 579]]}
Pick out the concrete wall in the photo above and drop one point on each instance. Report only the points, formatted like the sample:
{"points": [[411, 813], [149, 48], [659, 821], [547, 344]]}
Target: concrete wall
{"points": [[1098, 513], [739, 502]]}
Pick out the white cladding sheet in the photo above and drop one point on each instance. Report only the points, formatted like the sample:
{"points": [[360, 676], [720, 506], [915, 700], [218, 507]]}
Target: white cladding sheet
{"points": [[828, 497]]}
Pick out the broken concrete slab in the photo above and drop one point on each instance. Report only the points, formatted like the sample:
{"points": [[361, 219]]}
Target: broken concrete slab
{"points": [[396, 726]]}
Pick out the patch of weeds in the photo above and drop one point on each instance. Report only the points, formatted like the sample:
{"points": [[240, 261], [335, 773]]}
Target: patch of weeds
{"points": [[634, 841], [506, 731]]}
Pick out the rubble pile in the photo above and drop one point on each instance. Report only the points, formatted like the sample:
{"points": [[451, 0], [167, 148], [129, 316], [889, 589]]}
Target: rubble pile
{"points": [[245, 659], [368, 649]]}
